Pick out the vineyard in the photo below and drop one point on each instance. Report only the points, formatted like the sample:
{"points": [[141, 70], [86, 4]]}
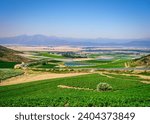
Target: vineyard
{"points": [[8, 73], [105, 79], [128, 91]]}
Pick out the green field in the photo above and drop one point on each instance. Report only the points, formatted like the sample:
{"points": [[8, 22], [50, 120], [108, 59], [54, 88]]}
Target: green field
{"points": [[114, 64], [46, 54], [4, 64], [47, 66], [104, 64], [96, 61], [8, 73], [127, 91]]}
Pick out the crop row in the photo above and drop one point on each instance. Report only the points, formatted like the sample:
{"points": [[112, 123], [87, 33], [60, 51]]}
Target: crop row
{"points": [[47, 93], [8, 73]]}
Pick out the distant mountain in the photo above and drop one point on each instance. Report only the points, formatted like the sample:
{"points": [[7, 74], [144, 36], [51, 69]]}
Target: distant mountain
{"points": [[53, 41], [10, 55], [140, 43], [35, 40]]}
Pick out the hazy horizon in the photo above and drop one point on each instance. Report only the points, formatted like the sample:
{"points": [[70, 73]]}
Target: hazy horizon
{"points": [[45, 35], [110, 19]]}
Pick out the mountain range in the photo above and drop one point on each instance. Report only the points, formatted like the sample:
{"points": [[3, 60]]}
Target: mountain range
{"points": [[36, 40]]}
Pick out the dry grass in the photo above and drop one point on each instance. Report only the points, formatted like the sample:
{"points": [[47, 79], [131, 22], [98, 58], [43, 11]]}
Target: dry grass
{"points": [[28, 77], [70, 87], [146, 82]]}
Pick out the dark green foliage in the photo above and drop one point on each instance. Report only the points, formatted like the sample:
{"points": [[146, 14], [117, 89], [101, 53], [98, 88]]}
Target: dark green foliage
{"points": [[51, 55], [54, 61], [103, 87], [47, 66], [73, 55], [145, 73], [4, 64]]}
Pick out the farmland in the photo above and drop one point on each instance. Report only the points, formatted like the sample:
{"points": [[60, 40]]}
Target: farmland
{"points": [[8, 73], [126, 92], [4, 64], [43, 81]]}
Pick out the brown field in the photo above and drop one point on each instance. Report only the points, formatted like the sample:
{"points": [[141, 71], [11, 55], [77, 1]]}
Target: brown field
{"points": [[45, 48], [28, 77]]}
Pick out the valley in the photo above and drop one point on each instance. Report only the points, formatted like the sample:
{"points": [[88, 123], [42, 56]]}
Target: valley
{"points": [[69, 76]]}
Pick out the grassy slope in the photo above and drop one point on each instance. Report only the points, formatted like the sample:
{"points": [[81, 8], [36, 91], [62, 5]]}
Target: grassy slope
{"points": [[7, 73], [143, 61], [46, 93], [104, 64]]}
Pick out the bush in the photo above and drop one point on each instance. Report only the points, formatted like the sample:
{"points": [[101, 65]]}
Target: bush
{"points": [[103, 87]]}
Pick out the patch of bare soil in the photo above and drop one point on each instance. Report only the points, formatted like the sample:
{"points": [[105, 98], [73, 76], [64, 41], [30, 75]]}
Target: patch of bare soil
{"points": [[146, 82], [138, 75], [70, 87], [103, 74], [145, 78], [45, 48], [35, 77]]}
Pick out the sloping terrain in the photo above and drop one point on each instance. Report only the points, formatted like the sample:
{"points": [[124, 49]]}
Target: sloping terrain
{"points": [[10, 55], [78, 91], [143, 61]]}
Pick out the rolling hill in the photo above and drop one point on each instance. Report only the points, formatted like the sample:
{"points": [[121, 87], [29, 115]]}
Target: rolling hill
{"points": [[143, 61], [10, 55]]}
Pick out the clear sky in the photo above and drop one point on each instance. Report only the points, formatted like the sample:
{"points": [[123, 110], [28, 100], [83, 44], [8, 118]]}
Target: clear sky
{"points": [[76, 18]]}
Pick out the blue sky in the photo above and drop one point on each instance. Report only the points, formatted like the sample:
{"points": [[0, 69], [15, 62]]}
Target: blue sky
{"points": [[123, 19]]}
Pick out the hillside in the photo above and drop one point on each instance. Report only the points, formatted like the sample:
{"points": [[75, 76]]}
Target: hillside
{"points": [[143, 61], [10, 55]]}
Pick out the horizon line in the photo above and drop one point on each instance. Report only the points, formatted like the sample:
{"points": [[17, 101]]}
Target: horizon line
{"points": [[146, 38]]}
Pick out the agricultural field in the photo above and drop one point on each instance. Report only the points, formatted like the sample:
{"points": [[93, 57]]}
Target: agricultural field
{"points": [[8, 73], [46, 54], [83, 78], [77, 91], [4, 64], [102, 64], [47, 66]]}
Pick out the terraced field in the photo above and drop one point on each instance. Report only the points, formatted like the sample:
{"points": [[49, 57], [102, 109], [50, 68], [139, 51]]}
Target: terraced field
{"points": [[4, 64], [127, 91], [8, 73]]}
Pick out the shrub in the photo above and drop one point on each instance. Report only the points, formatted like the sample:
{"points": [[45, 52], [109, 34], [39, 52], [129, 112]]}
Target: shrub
{"points": [[103, 87]]}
